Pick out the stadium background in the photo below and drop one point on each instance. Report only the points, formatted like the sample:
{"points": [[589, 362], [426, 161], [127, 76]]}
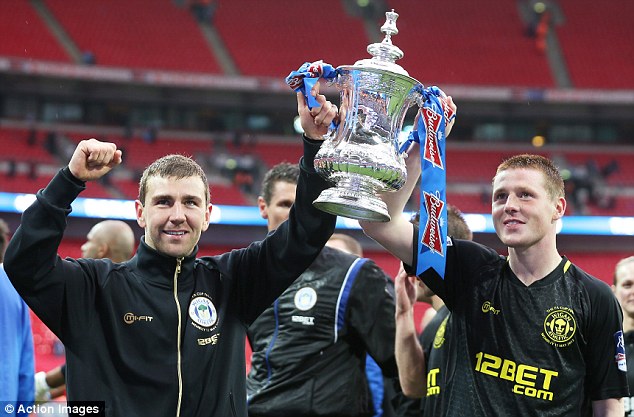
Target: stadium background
{"points": [[205, 78]]}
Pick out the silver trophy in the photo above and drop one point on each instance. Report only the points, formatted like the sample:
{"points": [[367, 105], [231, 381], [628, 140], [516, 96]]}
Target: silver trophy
{"points": [[361, 156]]}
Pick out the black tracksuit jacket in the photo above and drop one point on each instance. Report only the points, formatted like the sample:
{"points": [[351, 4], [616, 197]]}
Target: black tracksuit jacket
{"points": [[154, 336], [310, 346]]}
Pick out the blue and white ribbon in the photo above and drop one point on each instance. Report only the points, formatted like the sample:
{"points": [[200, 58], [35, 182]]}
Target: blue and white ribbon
{"points": [[436, 114], [305, 78]]}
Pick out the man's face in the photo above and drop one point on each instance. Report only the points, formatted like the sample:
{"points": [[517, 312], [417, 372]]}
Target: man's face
{"points": [[277, 211], [524, 215], [94, 247], [174, 215], [624, 288]]}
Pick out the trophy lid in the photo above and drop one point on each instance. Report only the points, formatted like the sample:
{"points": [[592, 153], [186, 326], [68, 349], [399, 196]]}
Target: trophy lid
{"points": [[384, 54]]}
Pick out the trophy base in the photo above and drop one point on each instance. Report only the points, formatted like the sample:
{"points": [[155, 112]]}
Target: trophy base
{"points": [[354, 206]]}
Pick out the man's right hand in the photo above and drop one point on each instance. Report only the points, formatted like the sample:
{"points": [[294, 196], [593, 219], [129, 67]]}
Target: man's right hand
{"points": [[93, 159], [316, 121]]}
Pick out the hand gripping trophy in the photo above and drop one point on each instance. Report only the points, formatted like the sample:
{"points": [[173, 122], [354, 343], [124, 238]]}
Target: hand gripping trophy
{"points": [[361, 155]]}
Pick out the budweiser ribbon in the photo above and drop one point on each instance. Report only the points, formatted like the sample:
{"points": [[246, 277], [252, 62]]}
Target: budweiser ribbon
{"points": [[305, 78], [432, 239]]}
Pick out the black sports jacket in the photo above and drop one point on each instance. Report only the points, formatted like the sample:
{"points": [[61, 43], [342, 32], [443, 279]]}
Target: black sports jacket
{"points": [[310, 346], [156, 336]]}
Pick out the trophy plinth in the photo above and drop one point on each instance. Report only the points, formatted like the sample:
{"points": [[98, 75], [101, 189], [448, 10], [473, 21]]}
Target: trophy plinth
{"points": [[361, 156]]}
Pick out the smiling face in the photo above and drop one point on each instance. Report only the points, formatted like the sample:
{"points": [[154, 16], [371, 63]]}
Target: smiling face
{"points": [[524, 212], [174, 215]]}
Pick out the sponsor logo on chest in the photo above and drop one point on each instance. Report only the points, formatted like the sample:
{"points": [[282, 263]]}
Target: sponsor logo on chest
{"points": [[305, 299]]}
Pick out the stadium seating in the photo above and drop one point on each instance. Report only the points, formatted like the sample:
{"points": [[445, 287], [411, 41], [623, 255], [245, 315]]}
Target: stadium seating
{"points": [[273, 152], [22, 183], [129, 188], [13, 143], [136, 34], [468, 43], [24, 34], [140, 153], [489, 48], [596, 40], [295, 32]]}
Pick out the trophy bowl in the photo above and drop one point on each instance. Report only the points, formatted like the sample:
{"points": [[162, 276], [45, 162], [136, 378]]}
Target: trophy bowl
{"points": [[361, 157]]}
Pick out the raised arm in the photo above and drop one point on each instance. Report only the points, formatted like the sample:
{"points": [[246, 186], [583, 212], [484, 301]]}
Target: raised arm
{"points": [[396, 235], [410, 357], [31, 260], [293, 246]]}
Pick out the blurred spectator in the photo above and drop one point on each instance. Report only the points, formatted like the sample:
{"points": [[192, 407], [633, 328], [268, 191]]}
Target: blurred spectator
{"points": [[204, 10], [541, 33], [32, 170], [12, 168], [150, 134], [31, 138], [51, 143], [88, 58], [586, 186]]}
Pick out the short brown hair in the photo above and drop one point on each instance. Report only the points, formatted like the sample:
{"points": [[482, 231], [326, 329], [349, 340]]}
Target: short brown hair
{"points": [[553, 183], [176, 166], [457, 227], [283, 171]]}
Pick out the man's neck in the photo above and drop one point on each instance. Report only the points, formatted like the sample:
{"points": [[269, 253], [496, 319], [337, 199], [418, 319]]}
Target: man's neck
{"points": [[533, 264], [437, 302]]}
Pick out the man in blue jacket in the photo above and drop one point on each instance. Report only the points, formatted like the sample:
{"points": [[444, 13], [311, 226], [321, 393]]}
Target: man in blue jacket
{"points": [[16, 341]]}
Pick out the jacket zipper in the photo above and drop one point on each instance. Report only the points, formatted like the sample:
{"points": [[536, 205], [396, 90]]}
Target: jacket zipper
{"points": [[178, 337]]}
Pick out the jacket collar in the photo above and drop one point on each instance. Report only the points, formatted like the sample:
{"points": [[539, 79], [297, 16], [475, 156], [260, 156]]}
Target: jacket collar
{"points": [[159, 268]]}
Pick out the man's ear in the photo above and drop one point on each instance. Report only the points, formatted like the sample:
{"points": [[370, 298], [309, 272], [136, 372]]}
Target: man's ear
{"points": [[560, 209], [263, 208], [140, 213], [207, 217], [104, 251]]}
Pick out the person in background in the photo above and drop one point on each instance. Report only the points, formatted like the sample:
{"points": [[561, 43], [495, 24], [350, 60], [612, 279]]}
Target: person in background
{"points": [[345, 243], [17, 365], [111, 239], [435, 333], [385, 392], [309, 347], [164, 333], [623, 288]]}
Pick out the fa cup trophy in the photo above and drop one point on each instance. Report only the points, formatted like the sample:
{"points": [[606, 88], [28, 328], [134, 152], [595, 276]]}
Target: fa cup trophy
{"points": [[361, 155]]}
